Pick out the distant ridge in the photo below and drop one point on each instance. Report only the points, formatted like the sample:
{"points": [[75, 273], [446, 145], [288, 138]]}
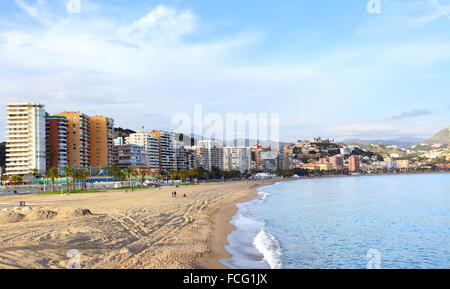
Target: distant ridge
{"points": [[403, 142], [442, 137]]}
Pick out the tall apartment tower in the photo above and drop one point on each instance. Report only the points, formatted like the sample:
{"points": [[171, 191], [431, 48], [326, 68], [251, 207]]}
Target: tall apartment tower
{"points": [[150, 143], [101, 134], [237, 159], [353, 162], [78, 139], [165, 149], [215, 153], [56, 135], [25, 138]]}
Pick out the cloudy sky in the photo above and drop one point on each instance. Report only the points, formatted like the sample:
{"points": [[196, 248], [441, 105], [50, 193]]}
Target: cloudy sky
{"points": [[329, 68]]}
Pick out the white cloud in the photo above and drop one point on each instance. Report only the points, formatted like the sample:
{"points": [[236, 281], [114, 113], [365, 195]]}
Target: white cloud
{"points": [[377, 129], [99, 65], [162, 23]]}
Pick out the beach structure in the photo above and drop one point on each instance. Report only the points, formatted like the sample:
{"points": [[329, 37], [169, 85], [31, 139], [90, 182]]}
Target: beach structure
{"points": [[101, 137], [150, 144], [78, 139], [56, 141], [25, 139]]}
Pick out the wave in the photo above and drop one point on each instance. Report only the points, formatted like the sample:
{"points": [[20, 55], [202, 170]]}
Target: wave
{"points": [[262, 195], [268, 246]]}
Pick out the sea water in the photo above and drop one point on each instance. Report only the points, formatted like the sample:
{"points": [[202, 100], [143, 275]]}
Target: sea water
{"points": [[396, 221]]}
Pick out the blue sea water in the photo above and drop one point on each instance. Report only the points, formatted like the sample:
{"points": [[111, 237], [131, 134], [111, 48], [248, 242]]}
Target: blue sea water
{"points": [[400, 221]]}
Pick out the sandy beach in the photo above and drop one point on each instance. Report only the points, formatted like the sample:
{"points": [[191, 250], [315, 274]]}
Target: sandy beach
{"points": [[118, 229]]}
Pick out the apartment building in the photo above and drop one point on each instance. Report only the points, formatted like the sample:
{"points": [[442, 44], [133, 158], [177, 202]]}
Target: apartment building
{"points": [[150, 144], [130, 155], [25, 139], [353, 162], [200, 157], [56, 145], [101, 134], [237, 159], [215, 153], [166, 152], [78, 139]]}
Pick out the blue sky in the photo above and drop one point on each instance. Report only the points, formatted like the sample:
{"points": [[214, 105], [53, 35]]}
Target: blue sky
{"points": [[329, 68]]}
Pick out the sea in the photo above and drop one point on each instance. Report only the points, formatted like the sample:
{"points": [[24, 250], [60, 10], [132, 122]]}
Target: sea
{"points": [[355, 222]]}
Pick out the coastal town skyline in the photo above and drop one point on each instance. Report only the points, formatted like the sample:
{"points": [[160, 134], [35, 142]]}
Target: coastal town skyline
{"points": [[145, 63]]}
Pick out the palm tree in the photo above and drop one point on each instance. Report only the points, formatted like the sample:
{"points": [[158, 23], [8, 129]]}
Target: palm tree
{"points": [[115, 172], [129, 171], [18, 180], [143, 175], [172, 174], [52, 173], [68, 171], [83, 175], [122, 176]]}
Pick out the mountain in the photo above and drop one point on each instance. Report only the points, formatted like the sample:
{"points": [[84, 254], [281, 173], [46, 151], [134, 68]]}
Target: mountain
{"points": [[402, 142], [442, 137]]}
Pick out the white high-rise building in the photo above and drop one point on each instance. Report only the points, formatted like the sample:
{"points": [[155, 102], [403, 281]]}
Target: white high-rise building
{"points": [[237, 159], [215, 153], [151, 147], [25, 139]]}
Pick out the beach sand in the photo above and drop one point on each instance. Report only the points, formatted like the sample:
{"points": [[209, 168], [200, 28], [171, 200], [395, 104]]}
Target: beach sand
{"points": [[118, 229]]}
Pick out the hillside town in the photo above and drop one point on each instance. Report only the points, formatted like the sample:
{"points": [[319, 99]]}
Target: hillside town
{"points": [[39, 142]]}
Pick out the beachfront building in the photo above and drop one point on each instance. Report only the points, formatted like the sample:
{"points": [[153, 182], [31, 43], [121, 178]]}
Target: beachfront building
{"points": [[215, 153], [130, 155], [337, 161], [183, 157], [353, 163], [402, 165], [101, 134], [118, 141], [151, 147], [56, 141], [166, 152], [200, 157], [288, 157], [78, 139], [237, 159], [25, 139]]}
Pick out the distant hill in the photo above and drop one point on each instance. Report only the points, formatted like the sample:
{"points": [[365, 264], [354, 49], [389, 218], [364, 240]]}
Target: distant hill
{"points": [[120, 132], [403, 142], [442, 137]]}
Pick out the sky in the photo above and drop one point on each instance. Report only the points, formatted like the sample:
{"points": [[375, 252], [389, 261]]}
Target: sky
{"points": [[329, 68]]}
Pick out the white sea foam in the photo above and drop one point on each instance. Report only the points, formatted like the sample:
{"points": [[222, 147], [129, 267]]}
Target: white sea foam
{"points": [[262, 195], [269, 247]]}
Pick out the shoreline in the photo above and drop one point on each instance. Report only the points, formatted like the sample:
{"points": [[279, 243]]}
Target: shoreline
{"points": [[224, 215], [126, 230], [221, 229]]}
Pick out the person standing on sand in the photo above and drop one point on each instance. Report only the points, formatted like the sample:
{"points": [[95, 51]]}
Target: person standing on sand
{"points": [[175, 194]]}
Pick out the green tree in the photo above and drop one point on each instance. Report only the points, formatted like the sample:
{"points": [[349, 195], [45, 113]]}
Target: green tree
{"points": [[18, 180], [130, 172], [83, 175], [122, 176], [143, 175], [52, 173], [68, 172]]}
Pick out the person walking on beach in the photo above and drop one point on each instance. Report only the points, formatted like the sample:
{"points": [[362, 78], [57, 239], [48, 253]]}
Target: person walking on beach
{"points": [[175, 194]]}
